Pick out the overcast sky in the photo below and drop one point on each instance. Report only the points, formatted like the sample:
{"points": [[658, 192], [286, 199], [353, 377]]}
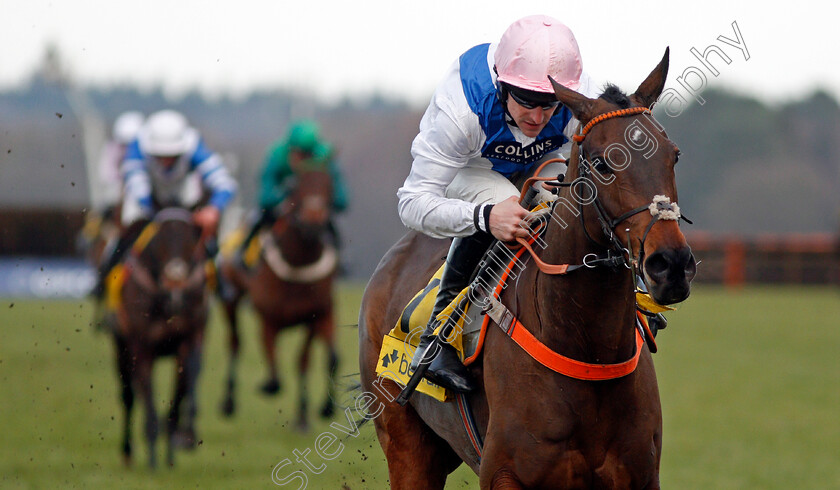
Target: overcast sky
{"points": [[332, 48]]}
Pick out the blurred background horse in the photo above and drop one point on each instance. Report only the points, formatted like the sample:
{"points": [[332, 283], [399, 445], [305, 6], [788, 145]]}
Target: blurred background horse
{"points": [[162, 310], [291, 283]]}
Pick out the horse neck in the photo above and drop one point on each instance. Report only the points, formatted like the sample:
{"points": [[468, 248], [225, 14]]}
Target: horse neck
{"points": [[589, 313], [299, 248]]}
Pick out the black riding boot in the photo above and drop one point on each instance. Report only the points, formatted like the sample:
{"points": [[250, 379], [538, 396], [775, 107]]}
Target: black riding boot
{"points": [[445, 369]]}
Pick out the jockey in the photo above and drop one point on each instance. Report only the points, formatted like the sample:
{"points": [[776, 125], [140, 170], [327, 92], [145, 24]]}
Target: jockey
{"points": [[301, 146], [103, 221], [125, 129], [491, 121], [169, 165]]}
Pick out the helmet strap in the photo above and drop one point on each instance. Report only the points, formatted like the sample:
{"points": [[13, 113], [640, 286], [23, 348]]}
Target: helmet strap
{"points": [[502, 93]]}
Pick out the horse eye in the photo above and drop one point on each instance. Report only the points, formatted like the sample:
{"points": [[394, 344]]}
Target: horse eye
{"points": [[677, 156], [601, 166]]}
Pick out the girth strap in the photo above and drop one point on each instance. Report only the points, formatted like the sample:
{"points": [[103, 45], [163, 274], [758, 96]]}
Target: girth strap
{"points": [[470, 426]]}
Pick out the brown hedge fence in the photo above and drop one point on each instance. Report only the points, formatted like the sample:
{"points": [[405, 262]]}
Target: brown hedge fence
{"points": [[788, 258], [39, 231]]}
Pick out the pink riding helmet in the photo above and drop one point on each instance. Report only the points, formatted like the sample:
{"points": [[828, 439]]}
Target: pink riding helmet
{"points": [[533, 48]]}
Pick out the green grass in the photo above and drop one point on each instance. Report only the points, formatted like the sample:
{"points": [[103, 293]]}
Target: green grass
{"points": [[750, 386], [749, 380]]}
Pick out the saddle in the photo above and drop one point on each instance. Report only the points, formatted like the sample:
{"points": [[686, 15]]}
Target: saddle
{"points": [[399, 344]]}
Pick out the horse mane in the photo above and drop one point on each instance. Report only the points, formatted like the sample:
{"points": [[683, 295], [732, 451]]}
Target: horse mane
{"points": [[616, 96]]}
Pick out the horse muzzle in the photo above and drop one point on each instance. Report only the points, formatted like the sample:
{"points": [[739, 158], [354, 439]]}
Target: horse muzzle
{"points": [[315, 211], [668, 274], [180, 280]]}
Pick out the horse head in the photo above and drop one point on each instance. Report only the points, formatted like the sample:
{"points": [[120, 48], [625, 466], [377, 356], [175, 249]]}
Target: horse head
{"points": [[171, 264], [308, 207], [625, 162]]}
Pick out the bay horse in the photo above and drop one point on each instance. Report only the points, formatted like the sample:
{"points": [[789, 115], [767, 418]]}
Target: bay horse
{"points": [[540, 428], [163, 312], [291, 284]]}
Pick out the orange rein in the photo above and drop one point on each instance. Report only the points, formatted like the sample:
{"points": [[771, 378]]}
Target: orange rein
{"points": [[536, 178], [543, 266]]}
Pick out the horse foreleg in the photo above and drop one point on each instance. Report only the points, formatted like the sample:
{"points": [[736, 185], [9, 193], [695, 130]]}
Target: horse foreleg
{"points": [[272, 384], [492, 477], [193, 369], [303, 368], [175, 407], [229, 403], [503, 480], [328, 409], [143, 367], [326, 330], [124, 366], [498, 464], [179, 428]]}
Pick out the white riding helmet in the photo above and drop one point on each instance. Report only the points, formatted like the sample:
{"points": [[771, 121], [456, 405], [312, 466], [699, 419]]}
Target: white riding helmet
{"points": [[167, 133], [126, 127], [534, 48]]}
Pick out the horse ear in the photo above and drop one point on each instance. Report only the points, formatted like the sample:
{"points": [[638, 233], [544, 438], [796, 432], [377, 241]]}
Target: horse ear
{"points": [[652, 87], [581, 106]]}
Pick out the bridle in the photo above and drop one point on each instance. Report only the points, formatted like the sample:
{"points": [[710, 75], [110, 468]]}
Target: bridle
{"points": [[617, 254]]}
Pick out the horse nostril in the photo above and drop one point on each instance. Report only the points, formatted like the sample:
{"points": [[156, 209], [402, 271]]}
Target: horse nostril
{"points": [[691, 267], [657, 266], [671, 264]]}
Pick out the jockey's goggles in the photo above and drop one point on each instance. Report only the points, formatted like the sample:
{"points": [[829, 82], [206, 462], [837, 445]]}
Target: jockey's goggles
{"points": [[528, 103]]}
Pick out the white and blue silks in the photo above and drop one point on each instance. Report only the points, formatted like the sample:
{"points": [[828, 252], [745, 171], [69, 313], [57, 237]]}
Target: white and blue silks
{"points": [[197, 170], [466, 150]]}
